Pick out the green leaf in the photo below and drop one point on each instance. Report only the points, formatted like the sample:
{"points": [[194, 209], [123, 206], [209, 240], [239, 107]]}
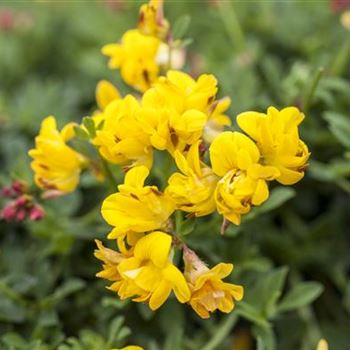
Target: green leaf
{"points": [[267, 291], [250, 313], [180, 26], [302, 294], [89, 124], [340, 127], [81, 134], [266, 338], [278, 197]]}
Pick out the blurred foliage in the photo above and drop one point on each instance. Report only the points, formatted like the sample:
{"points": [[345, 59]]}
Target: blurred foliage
{"points": [[288, 253]]}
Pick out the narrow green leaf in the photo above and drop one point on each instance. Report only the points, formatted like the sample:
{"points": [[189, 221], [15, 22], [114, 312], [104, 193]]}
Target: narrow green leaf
{"points": [[302, 294], [89, 124], [340, 127], [81, 134], [180, 26]]}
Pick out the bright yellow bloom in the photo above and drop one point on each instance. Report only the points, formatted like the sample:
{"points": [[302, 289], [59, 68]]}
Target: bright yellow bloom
{"points": [[175, 111], [152, 21], [217, 120], [208, 291], [235, 157], [122, 140], [181, 92], [193, 190], [130, 347], [136, 207], [277, 137], [135, 56], [149, 275], [56, 165]]}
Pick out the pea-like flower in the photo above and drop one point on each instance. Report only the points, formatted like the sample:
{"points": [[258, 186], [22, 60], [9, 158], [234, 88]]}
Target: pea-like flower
{"points": [[277, 137], [235, 157], [152, 21], [148, 275], [136, 207], [176, 110], [135, 56], [56, 165], [121, 140], [193, 189], [208, 292]]}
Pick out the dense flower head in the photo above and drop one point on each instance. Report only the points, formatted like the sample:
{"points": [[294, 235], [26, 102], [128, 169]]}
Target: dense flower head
{"points": [[176, 109], [136, 57], [208, 291], [56, 165], [148, 275], [235, 158], [192, 189], [121, 139], [136, 207], [277, 137]]}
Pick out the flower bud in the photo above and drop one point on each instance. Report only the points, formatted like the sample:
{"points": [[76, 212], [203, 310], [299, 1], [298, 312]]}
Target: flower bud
{"points": [[9, 212], [36, 213]]}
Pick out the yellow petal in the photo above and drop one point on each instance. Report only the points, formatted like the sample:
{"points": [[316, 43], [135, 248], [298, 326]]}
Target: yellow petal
{"points": [[155, 247], [106, 93]]}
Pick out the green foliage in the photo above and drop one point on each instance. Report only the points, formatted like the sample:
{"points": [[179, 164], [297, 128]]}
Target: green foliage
{"points": [[291, 254]]}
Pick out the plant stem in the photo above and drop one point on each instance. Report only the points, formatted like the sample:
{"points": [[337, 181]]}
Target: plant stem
{"points": [[232, 25], [110, 176], [341, 59], [224, 330], [312, 88]]}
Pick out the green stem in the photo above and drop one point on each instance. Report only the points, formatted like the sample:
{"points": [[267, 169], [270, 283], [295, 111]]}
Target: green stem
{"points": [[223, 331], [312, 89], [232, 25], [341, 59], [110, 176]]}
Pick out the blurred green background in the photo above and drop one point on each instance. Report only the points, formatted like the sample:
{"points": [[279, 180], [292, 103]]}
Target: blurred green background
{"points": [[291, 254]]}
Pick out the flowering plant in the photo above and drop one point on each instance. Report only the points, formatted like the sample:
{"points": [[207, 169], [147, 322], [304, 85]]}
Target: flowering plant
{"points": [[170, 164]]}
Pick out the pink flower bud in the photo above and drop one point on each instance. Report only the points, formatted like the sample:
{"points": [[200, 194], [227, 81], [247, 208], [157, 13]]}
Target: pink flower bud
{"points": [[23, 201], [36, 213], [9, 212], [6, 191], [19, 186], [21, 215]]}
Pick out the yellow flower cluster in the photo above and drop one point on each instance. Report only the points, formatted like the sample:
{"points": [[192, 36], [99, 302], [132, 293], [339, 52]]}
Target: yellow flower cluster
{"points": [[223, 171], [143, 53]]}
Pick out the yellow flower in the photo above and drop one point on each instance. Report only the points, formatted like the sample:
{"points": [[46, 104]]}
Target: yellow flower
{"points": [[152, 21], [181, 92], [130, 347], [174, 111], [121, 140], [193, 190], [235, 158], [136, 207], [217, 120], [277, 137], [149, 275], [208, 291], [135, 56], [56, 165]]}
